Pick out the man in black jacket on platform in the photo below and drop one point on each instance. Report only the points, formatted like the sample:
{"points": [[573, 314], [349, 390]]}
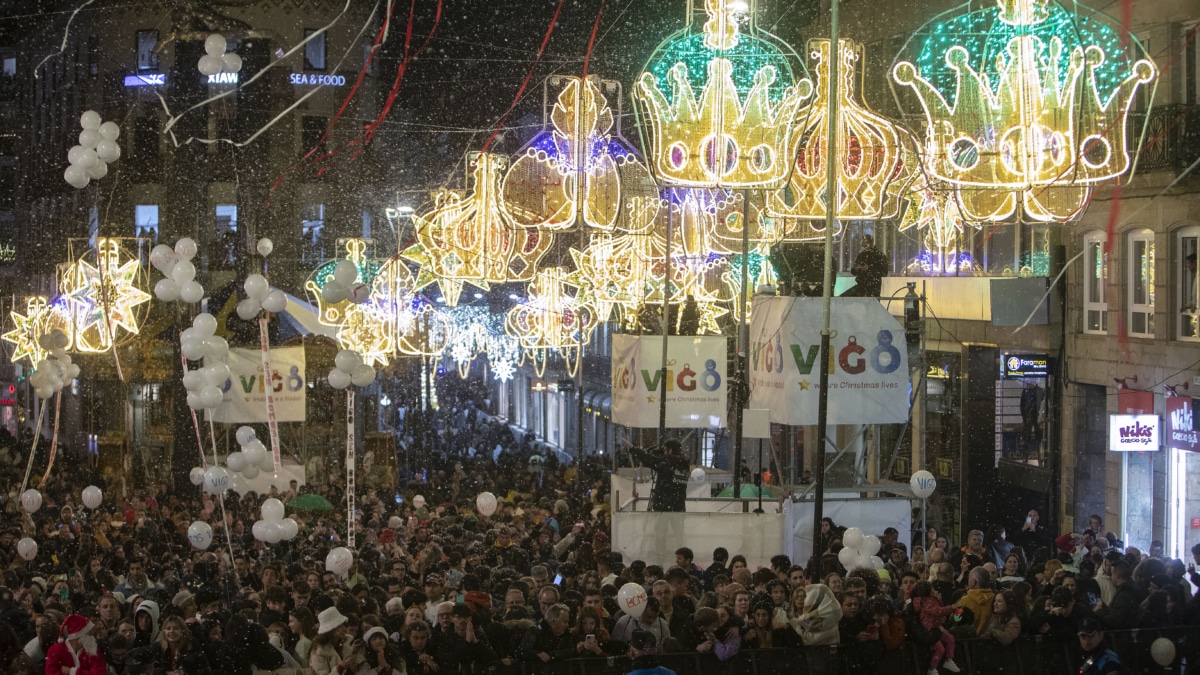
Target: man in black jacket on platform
{"points": [[671, 473]]}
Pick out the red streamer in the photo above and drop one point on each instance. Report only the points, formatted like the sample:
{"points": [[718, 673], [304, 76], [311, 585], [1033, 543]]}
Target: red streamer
{"points": [[592, 41], [528, 77]]}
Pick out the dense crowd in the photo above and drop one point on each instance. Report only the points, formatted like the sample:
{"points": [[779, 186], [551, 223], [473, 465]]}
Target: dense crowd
{"points": [[440, 588]]}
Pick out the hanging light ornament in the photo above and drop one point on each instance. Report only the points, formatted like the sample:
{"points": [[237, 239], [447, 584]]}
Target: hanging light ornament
{"points": [[468, 240], [550, 320], [618, 192], [1026, 106], [933, 209], [105, 290], [40, 318]]}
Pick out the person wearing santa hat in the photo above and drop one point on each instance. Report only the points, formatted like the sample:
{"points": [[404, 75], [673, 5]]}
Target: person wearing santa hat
{"points": [[75, 652]]}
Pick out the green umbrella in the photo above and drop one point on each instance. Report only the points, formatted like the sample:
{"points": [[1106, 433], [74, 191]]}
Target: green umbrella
{"points": [[748, 491], [310, 502]]}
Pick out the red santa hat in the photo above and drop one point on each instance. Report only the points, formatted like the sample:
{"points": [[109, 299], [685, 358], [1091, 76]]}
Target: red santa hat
{"points": [[75, 626]]}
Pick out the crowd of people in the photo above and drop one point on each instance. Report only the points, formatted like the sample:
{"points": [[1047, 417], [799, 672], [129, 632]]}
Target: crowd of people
{"points": [[439, 587]]}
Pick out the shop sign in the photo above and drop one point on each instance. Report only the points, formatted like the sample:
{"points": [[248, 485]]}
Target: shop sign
{"points": [[146, 80], [1014, 365], [223, 78], [1133, 433], [1181, 425], [313, 79]]}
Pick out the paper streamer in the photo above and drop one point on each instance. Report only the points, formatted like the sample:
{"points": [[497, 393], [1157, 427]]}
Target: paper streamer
{"points": [[195, 421], [350, 468], [53, 440], [268, 388]]}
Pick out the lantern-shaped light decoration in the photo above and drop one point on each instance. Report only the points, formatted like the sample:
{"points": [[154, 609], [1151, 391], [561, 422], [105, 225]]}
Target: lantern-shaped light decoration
{"points": [[551, 320]]}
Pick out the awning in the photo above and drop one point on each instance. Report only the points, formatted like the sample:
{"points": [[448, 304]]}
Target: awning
{"points": [[302, 318]]}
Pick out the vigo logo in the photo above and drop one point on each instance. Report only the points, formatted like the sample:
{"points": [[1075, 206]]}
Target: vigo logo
{"points": [[685, 380], [884, 358]]}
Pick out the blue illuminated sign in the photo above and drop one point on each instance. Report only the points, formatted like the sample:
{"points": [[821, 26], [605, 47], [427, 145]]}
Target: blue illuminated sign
{"points": [[146, 80], [317, 79]]}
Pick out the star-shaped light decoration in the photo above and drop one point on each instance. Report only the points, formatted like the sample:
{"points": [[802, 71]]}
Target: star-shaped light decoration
{"points": [[105, 298], [28, 328]]}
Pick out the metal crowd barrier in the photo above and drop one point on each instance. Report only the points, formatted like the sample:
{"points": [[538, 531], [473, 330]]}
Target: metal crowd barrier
{"points": [[1029, 655]]}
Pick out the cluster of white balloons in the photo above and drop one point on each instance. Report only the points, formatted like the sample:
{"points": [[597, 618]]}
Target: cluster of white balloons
{"points": [[348, 368], [345, 285], [216, 59], [92, 497], [253, 458], [858, 551], [176, 264], [274, 528], [200, 535], [50, 375], [260, 296], [205, 385], [96, 150], [339, 561]]}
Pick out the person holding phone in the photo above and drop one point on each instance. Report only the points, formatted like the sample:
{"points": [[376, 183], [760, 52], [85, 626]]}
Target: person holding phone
{"points": [[464, 649], [589, 633]]}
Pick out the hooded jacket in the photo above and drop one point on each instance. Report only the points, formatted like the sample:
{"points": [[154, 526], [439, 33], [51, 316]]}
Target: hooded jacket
{"points": [[822, 614], [151, 608], [979, 601]]}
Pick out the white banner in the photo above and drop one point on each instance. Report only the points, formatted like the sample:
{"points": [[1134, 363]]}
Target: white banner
{"points": [[868, 376], [696, 381], [245, 391]]}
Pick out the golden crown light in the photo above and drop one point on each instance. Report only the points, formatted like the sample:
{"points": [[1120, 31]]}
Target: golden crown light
{"points": [[871, 159], [1026, 107], [618, 192], [468, 240], [720, 105]]}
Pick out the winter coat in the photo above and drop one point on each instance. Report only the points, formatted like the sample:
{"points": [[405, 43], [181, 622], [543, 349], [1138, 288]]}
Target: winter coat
{"points": [[541, 639], [324, 659], [1122, 613], [60, 656], [979, 601], [822, 613], [150, 608], [932, 612], [1005, 631]]}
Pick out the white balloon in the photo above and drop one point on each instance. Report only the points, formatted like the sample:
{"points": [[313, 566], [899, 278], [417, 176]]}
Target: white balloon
{"points": [[853, 538], [254, 454], [339, 379], [161, 255], [248, 309], [333, 292], [698, 476], [236, 461], [186, 248], [275, 302], [191, 292], [347, 360], [194, 402], [256, 287], [876, 563], [290, 528], [870, 545], [339, 560], [259, 530], [44, 392], [264, 247], [862, 562], [166, 290], [245, 435], [232, 62], [632, 599], [193, 348], [485, 503], [77, 156], [27, 549], [193, 380], [88, 158], [92, 496], [73, 371], [363, 376], [200, 535], [216, 480], [88, 138], [272, 510], [923, 484], [210, 65], [215, 45], [251, 471], [109, 151], [216, 347], [77, 177], [359, 293], [217, 374], [98, 170], [267, 463], [1162, 650], [847, 556], [196, 475], [211, 397], [110, 131], [90, 120], [418, 501], [273, 533], [60, 338], [205, 324], [183, 272], [345, 272], [31, 500]]}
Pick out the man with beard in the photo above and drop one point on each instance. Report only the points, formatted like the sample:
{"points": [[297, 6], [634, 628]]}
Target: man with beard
{"points": [[75, 652]]}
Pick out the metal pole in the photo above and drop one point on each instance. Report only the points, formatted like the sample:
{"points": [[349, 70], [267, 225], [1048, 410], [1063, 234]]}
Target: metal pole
{"points": [[664, 324], [579, 159], [831, 207], [743, 388]]}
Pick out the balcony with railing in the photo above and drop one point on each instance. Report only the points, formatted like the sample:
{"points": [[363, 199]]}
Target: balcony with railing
{"points": [[1171, 140]]}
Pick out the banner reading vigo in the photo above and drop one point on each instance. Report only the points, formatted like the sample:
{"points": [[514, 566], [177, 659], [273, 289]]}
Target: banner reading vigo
{"points": [[695, 381], [245, 393], [868, 369]]}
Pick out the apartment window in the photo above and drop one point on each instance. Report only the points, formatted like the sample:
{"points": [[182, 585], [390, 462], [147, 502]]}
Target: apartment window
{"points": [[368, 63], [226, 219], [1095, 274], [366, 224], [312, 227], [147, 57], [93, 55], [145, 218], [1190, 64], [1141, 283], [10, 66], [1187, 241], [314, 50]]}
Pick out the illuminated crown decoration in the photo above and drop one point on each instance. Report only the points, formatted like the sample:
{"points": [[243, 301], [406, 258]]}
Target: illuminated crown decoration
{"points": [[469, 239], [1026, 107], [618, 191], [872, 158], [551, 320], [720, 105], [105, 293]]}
